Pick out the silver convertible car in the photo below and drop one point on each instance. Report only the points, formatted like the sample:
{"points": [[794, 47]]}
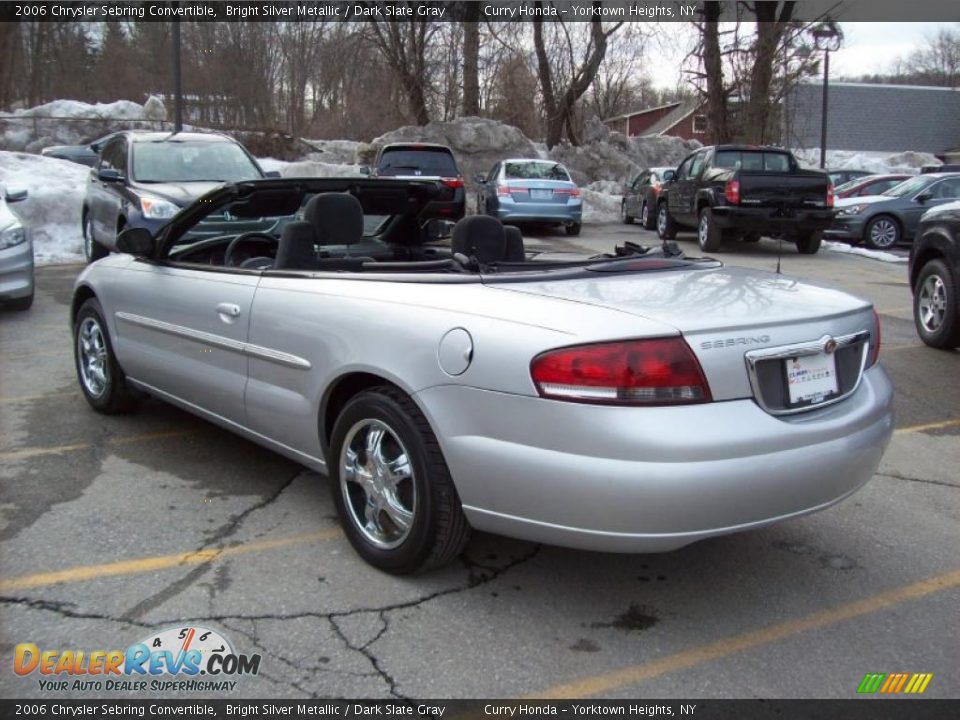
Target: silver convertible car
{"points": [[635, 401]]}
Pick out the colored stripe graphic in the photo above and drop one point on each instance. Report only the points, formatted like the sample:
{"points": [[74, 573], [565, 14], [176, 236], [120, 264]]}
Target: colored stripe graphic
{"points": [[871, 682], [894, 683]]}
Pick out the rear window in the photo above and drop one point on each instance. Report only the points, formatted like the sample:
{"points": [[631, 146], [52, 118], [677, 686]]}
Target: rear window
{"points": [[751, 160], [417, 161], [535, 171]]}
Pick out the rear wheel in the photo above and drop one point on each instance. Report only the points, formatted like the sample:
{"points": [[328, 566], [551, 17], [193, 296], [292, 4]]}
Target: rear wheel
{"points": [[709, 236], [666, 226], [92, 250], [809, 244], [102, 381], [881, 233], [391, 486], [574, 228], [624, 217], [647, 219], [935, 306]]}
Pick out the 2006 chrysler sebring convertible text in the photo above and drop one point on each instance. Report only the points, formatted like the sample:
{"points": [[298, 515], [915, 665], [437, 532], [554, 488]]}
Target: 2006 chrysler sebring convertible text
{"points": [[637, 401]]}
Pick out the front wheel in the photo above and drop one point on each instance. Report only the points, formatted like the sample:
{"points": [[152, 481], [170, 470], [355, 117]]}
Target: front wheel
{"points": [[666, 226], [391, 486], [935, 306], [92, 250], [709, 236], [881, 233], [809, 244], [573, 229], [102, 381]]}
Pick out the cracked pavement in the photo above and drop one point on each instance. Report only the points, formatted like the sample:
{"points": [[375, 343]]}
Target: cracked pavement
{"points": [[248, 545]]}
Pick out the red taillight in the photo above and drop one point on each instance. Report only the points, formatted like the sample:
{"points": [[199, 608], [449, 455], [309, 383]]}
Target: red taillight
{"points": [[660, 371], [456, 182], [572, 192], [503, 191], [656, 188], [829, 195], [874, 352], [731, 191]]}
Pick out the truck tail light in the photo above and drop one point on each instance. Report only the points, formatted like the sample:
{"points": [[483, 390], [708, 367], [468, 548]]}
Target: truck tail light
{"points": [[830, 196], [452, 182], [731, 191], [658, 371], [873, 354]]}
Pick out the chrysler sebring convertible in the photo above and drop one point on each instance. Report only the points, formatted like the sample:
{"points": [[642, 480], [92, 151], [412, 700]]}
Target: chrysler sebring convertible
{"points": [[635, 401]]}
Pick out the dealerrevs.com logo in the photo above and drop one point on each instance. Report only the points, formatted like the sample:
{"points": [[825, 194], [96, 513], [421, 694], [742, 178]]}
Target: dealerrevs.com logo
{"points": [[177, 659]]}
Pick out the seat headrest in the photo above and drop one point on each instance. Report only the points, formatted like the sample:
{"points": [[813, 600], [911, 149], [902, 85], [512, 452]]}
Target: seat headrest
{"points": [[514, 251], [480, 236], [336, 217]]}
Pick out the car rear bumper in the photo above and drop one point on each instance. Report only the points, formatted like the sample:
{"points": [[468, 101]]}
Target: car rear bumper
{"points": [[767, 220], [651, 479], [509, 211], [16, 271]]}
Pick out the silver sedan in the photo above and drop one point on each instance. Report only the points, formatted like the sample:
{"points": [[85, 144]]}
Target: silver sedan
{"points": [[625, 403], [16, 254]]}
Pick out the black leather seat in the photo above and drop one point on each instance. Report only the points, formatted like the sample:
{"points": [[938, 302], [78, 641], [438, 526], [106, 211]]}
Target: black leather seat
{"points": [[298, 247], [328, 219], [514, 251], [480, 237]]}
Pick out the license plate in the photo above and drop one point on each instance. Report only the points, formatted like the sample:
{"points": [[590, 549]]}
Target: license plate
{"points": [[541, 194], [811, 378]]}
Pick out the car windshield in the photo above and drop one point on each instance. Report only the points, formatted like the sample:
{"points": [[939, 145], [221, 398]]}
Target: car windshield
{"points": [[908, 187], [191, 161], [849, 185], [535, 171], [752, 160], [417, 161]]}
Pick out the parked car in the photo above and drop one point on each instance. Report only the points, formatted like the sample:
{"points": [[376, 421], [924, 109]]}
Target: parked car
{"points": [[16, 254], [522, 190], [745, 191], [868, 185], [142, 179], [640, 196], [882, 221], [950, 167], [839, 177], [426, 161], [935, 276], [631, 402], [84, 154]]}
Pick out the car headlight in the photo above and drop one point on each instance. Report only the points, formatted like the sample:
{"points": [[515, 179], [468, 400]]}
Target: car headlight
{"points": [[156, 209], [14, 235], [853, 209]]}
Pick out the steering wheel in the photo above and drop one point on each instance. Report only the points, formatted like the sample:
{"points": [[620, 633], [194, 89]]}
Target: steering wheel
{"points": [[241, 238]]}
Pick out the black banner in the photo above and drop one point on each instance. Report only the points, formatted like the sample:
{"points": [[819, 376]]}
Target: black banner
{"points": [[439, 11], [874, 709]]}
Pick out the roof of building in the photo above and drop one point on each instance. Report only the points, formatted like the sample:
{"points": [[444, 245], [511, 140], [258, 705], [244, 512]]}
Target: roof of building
{"points": [[635, 113], [678, 114]]}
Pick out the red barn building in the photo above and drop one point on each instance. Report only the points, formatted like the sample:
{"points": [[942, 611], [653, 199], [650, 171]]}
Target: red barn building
{"points": [[684, 119]]}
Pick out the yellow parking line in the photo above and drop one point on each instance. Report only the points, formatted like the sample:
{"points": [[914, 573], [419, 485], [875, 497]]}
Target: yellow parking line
{"points": [[706, 653], [159, 562], [31, 452], [928, 426]]}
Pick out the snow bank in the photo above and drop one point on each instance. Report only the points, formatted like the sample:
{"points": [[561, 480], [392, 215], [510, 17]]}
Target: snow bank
{"points": [[865, 252], [52, 208], [600, 207], [309, 168], [876, 162]]}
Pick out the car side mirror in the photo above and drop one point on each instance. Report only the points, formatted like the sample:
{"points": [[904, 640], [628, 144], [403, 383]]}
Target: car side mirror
{"points": [[272, 174], [109, 175], [480, 179], [669, 175], [439, 229], [923, 197], [135, 241], [364, 169], [12, 196]]}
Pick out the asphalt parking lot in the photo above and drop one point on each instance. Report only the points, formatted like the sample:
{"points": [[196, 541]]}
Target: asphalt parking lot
{"points": [[115, 528]]}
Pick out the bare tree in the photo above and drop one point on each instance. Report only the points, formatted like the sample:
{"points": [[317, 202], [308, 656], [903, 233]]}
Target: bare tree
{"points": [[471, 59]]}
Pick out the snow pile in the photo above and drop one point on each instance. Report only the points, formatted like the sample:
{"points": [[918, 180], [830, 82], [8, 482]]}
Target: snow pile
{"points": [[865, 252], [343, 152], [309, 168], [600, 207], [880, 163], [76, 122], [52, 208]]}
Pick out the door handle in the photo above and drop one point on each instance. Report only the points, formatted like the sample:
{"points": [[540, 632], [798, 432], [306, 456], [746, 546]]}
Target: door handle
{"points": [[229, 310]]}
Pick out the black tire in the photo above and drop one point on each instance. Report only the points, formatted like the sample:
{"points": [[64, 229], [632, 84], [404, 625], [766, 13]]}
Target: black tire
{"points": [[115, 396], [709, 236], [92, 250], [438, 530], [624, 218], [573, 229], [809, 244], [666, 225], [882, 232], [21, 304], [751, 237], [936, 306], [648, 220]]}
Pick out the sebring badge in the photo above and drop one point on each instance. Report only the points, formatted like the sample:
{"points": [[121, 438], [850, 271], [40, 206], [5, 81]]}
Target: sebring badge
{"points": [[733, 342]]}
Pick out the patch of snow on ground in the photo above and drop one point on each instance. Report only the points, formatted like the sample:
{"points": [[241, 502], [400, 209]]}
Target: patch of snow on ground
{"points": [[52, 208], [839, 247]]}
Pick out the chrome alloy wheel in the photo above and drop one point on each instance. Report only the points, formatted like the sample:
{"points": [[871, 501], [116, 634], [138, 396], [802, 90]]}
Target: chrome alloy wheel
{"points": [[644, 214], [883, 233], [377, 483], [92, 357], [932, 303], [703, 229], [662, 219]]}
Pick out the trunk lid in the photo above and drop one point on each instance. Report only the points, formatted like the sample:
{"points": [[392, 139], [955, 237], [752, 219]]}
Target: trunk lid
{"points": [[802, 189]]}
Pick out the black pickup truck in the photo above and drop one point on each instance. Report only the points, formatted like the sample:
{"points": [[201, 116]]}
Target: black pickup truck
{"points": [[746, 191]]}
